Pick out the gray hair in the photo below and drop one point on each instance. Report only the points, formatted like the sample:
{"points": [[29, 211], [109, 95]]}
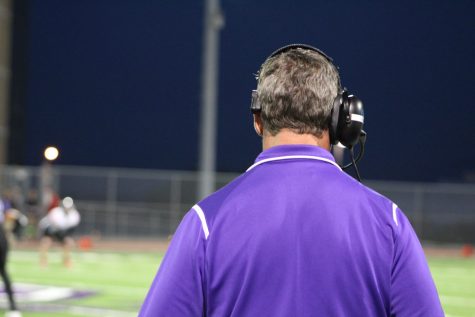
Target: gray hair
{"points": [[296, 90]]}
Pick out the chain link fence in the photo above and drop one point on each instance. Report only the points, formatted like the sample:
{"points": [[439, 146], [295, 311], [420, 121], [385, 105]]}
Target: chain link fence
{"points": [[150, 203]]}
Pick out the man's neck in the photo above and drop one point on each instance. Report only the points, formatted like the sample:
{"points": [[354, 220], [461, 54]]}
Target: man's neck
{"points": [[286, 136]]}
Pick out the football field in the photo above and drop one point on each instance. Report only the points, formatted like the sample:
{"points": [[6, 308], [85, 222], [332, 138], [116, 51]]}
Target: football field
{"points": [[114, 284]]}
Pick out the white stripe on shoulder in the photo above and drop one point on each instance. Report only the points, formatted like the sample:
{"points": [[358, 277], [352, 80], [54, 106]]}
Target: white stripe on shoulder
{"points": [[395, 214], [291, 157], [201, 215]]}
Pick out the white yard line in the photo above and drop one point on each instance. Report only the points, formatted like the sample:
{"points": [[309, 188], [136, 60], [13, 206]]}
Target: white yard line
{"points": [[40, 293], [101, 312], [458, 301]]}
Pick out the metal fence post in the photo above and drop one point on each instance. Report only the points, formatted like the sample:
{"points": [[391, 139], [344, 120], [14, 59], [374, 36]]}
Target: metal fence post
{"points": [[111, 204], [418, 210], [175, 202]]}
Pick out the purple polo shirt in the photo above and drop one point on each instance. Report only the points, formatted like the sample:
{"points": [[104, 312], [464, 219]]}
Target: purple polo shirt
{"points": [[294, 236]]}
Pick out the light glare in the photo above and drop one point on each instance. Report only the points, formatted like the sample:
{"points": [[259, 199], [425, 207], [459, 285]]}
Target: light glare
{"points": [[51, 153]]}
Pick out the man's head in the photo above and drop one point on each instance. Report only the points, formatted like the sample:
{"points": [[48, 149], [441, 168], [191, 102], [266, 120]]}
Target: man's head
{"points": [[296, 90]]}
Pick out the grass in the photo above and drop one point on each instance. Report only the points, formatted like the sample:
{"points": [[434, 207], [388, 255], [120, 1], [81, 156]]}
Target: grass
{"points": [[121, 280], [455, 281]]}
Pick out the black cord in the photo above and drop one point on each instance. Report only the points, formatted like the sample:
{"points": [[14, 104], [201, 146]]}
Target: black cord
{"points": [[361, 142], [360, 155], [353, 162]]}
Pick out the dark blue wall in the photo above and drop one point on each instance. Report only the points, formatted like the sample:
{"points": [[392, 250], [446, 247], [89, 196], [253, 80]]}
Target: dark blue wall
{"points": [[117, 82]]}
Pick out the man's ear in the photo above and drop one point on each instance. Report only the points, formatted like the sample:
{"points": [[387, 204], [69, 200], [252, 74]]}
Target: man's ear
{"points": [[258, 126]]}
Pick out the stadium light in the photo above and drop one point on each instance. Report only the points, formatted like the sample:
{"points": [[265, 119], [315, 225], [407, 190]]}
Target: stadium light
{"points": [[51, 153], [213, 23]]}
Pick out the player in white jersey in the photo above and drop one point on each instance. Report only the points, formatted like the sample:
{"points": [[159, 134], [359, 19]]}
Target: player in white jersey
{"points": [[59, 225]]}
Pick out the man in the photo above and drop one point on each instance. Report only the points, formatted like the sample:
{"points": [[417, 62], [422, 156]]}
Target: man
{"points": [[13, 310], [294, 235], [59, 225]]}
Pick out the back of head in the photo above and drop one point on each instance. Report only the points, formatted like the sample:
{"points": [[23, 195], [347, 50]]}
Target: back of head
{"points": [[296, 90]]}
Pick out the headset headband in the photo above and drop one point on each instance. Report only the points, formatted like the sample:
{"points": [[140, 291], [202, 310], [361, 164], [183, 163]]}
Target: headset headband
{"points": [[292, 47], [302, 46]]}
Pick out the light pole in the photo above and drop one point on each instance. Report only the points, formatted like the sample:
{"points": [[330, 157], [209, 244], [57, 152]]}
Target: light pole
{"points": [[50, 154], [213, 22]]}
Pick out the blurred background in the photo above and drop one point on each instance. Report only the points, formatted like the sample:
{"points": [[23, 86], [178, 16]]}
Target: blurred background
{"points": [[147, 103]]}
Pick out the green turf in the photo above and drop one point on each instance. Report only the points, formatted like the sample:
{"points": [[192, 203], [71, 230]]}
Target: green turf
{"points": [[121, 281], [455, 280]]}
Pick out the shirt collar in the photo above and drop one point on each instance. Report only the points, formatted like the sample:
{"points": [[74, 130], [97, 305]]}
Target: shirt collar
{"points": [[294, 151]]}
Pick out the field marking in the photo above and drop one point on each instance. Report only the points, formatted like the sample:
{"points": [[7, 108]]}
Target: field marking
{"points": [[455, 289], [108, 286], [20, 254], [28, 292], [45, 294], [100, 312], [114, 289], [455, 271], [458, 301]]}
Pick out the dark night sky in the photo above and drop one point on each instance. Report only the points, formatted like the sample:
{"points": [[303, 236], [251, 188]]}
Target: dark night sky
{"points": [[117, 83]]}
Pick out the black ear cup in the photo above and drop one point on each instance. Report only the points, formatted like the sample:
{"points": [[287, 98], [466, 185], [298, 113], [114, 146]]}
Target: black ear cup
{"points": [[335, 117], [351, 124], [347, 119]]}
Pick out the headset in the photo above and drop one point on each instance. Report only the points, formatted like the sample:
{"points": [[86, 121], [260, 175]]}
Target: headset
{"points": [[347, 115]]}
